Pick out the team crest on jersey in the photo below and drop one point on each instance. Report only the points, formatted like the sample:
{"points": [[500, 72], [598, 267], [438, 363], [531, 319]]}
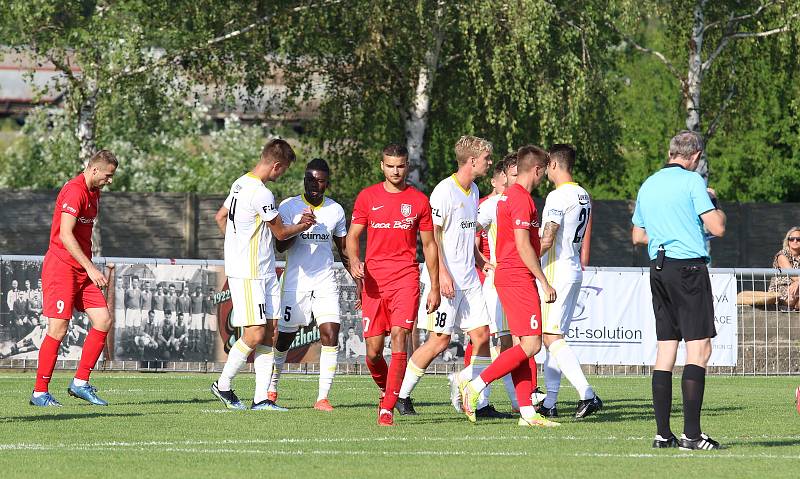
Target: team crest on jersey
{"points": [[405, 210]]}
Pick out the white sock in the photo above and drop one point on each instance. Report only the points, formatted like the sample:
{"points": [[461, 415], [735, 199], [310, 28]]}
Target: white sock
{"points": [[510, 390], [477, 384], [410, 380], [79, 382], [265, 358], [327, 369], [569, 365], [552, 379], [527, 411], [465, 374], [277, 369], [479, 363], [37, 394], [236, 359]]}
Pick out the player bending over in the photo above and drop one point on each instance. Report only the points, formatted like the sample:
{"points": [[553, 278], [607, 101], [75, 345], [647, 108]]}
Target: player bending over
{"points": [[249, 220], [392, 212]]}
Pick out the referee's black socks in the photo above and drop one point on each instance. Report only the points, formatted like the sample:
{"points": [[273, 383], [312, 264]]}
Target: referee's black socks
{"points": [[693, 385], [662, 401]]}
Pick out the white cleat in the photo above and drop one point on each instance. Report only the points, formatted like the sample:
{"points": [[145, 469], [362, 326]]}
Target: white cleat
{"points": [[455, 395]]}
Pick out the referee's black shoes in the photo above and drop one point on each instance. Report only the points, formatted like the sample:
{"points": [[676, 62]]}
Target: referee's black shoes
{"points": [[703, 443], [661, 443]]}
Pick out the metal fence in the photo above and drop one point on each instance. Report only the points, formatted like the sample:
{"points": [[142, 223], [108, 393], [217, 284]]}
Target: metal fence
{"points": [[768, 329]]}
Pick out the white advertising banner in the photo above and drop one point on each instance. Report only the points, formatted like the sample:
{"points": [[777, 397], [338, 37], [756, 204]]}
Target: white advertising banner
{"points": [[614, 323]]}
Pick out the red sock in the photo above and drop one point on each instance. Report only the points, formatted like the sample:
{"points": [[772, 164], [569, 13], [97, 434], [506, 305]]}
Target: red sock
{"points": [[468, 354], [92, 347], [523, 383], [506, 362], [48, 354], [379, 370], [396, 372], [534, 373]]}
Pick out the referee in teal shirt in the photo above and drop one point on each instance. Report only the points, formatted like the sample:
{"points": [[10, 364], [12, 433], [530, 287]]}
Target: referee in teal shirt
{"points": [[672, 207]]}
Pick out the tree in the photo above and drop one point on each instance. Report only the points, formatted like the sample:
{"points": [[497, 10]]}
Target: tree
{"points": [[699, 24]]}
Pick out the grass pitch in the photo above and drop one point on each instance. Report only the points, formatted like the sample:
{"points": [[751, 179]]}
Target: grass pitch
{"points": [[169, 426]]}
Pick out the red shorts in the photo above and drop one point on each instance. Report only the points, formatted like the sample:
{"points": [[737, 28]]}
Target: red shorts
{"points": [[522, 308], [65, 287], [381, 311]]}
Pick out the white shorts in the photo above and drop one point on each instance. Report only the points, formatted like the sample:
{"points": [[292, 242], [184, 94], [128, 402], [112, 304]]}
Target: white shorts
{"points": [[498, 323], [195, 321], [467, 310], [254, 300], [133, 318], [211, 322], [557, 316], [158, 317], [298, 308]]}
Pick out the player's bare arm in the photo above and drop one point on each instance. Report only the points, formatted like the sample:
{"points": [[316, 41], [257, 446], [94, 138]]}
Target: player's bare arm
{"points": [[282, 231], [549, 236], [67, 237], [481, 261], [353, 251], [528, 255], [341, 247], [445, 278], [639, 236], [715, 221], [222, 219], [431, 252]]}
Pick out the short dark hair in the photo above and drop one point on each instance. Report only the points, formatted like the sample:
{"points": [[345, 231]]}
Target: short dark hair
{"points": [[508, 161], [529, 156], [395, 150], [278, 150], [103, 156], [564, 155], [318, 164]]}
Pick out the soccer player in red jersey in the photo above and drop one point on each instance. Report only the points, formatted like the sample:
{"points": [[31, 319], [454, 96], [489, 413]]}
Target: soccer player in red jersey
{"points": [[71, 280], [392, 212], [517, 265]]}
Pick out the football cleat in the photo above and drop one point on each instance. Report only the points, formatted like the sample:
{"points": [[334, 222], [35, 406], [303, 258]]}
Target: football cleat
{"points": [[267, 405], [538, 397], [405, 406], [586, 407], [45, 400], [87, 392], [323, 405], [469, 400], [703, 443], [385, 418], [455, 395], [548, 411], [272, 396], [228, 398], [537, 420], [661, 443], [489, 412]]}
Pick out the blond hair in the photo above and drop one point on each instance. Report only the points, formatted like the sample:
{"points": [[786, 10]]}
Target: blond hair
{"points": [[789, 233], [471, 146]]}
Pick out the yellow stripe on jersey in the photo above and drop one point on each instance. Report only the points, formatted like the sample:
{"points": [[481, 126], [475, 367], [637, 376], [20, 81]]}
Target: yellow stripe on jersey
{"points": [[248, 299], [254, 244]]}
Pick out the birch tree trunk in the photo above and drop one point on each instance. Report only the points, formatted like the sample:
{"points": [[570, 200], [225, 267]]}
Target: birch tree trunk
{"points": [[694, 79], [85, 132]]}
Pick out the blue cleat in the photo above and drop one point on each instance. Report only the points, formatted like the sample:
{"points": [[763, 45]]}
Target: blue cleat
{"points": [[267, 405], [228, 398], [45, 400], [86, 392]]}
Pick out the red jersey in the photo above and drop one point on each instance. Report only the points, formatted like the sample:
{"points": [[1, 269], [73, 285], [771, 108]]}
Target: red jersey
{"points": [[392, 221], [516, 211], [75, 199], [483, 246]]}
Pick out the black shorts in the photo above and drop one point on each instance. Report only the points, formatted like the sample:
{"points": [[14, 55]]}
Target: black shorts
{"points": [[682, 300]]}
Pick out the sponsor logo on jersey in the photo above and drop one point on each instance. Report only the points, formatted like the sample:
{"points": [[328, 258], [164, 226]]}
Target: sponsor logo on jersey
{"points": [[554, 212], [583, 199], [376, 208], [237, 188], [86, 221], [526, 224], [69, 208], [405, 210], [315, 236], [467, 224], [403, 224]]}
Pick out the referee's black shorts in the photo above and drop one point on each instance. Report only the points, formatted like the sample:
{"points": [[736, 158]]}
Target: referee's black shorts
{"points": [[682, 300]]}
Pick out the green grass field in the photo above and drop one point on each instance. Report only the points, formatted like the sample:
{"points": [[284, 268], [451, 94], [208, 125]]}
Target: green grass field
{"points": [[169, 426]]}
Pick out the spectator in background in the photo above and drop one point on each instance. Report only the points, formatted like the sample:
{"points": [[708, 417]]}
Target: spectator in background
{"points": [[35, 300], [783, 289]]}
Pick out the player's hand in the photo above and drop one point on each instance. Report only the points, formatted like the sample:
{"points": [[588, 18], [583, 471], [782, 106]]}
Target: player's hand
{"points": [[487, 266], [433, 300], [308, 219], [357, 269], [98, 278], [549, 293], [446, 285]]}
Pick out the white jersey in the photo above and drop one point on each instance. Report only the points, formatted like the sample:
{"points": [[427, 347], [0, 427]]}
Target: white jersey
{"points": [[309, 261], [249, 251], [487, 219], [568, 206], [456, 211]]}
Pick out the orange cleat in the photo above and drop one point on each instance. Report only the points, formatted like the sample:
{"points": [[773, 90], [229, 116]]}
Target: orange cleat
{"points": [[323, 405], [385, 418], [272, 396]]}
